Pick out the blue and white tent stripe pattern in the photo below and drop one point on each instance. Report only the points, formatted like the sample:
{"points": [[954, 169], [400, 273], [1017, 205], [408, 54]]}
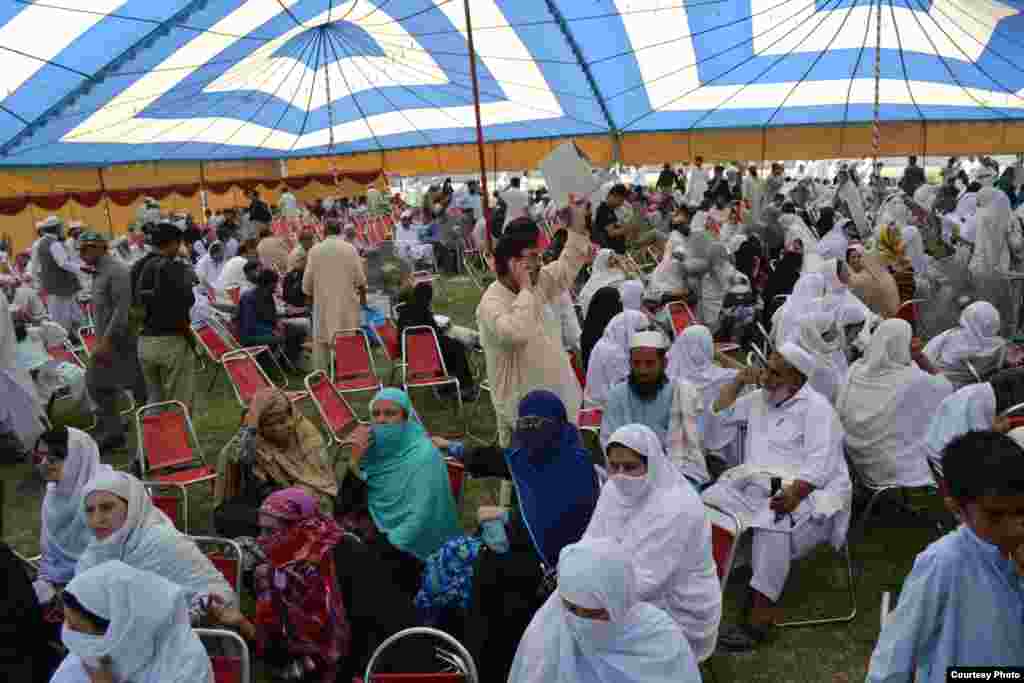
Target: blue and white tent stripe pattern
{"points": [[107, 81]]}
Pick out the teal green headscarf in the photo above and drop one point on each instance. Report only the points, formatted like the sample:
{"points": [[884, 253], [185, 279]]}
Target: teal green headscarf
{"points": [[410, 497]]}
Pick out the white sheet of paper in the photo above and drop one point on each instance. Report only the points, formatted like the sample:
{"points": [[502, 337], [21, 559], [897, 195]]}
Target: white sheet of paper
{"points": [[565, 172]]}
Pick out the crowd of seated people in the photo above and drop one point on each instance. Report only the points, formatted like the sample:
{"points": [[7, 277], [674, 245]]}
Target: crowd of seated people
{"points": [[575, 572]]}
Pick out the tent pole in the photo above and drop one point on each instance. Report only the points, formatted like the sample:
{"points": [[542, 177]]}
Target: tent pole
{"points": [[876, 131], [106, 203], [479, 128]]}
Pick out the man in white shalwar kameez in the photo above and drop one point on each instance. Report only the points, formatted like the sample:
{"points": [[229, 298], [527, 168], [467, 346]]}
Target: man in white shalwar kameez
{"points": [[795, 437], [697, 183], [523, 351]]}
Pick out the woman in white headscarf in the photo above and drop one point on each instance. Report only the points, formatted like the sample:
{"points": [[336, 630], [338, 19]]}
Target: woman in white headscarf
{"points": [[68, 459], [886, 407], [822, 337], [976, 340], [594, 629], [691, 360], [632, 292], [122, 624], [807, 296], [609, 361], [991, 255], [651, 511], [796, 229], [126, 526], [21, 413], [715, 284], [604, 273]]}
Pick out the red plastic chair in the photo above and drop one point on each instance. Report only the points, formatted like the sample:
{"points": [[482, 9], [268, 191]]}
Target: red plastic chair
{"points": [[64, 354], [172, 500], [248, 378], [169, 451], [681, 315], [352, 366], [726, 530], [335, 412], [589, 419], [234, 294], [459, 658], [424, 363], [908, 310], [577, 367], [392, 344], [224, 554], [457, 478], [88, 336], [227, 668]]}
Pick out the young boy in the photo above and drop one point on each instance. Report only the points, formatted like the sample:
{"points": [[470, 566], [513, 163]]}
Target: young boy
{"points": [[963, 603]]}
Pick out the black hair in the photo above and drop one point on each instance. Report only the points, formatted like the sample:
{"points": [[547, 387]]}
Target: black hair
{"points": [[266, 277], [514, 182], [520, 235], [619, 190], [74, 603], [332, 227], [20, 330], [986, 463], [643, 458], [56, 440], [974, 187]]}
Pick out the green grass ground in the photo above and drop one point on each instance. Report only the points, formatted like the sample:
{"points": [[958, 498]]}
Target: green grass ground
{"points": [[823, 653]]}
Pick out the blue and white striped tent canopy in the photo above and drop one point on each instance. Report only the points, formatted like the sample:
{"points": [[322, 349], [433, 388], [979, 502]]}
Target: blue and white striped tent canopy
{"points": [[93, 82]]}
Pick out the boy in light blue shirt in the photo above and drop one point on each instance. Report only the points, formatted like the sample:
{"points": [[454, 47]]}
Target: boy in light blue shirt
{"points": [[963, 603]]}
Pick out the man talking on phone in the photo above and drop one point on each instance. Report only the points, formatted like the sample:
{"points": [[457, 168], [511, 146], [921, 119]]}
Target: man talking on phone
{"points": [[523, 348], [793, 489]]}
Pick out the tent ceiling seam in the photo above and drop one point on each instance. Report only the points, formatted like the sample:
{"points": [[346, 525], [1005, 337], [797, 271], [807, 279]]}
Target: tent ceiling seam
{"points": [[578, 54]]}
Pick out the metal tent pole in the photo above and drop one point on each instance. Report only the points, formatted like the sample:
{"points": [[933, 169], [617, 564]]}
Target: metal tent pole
{"points": [[485, 200], [106, 202], [876, 132]]}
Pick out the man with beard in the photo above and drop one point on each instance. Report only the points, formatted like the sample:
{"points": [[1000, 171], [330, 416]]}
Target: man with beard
{"points": [[669, 407], [522, 346], [792, 490]]}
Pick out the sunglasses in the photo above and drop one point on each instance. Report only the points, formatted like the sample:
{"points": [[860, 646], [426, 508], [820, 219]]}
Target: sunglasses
{"points": [[533, 423]]}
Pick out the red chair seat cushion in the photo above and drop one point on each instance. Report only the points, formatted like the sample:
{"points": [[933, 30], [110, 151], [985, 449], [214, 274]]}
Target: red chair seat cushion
{"points": [[354, 382], [187, 476]]}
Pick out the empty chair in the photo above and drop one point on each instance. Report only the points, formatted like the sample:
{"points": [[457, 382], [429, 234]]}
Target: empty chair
{"points": [[169, 450], [352, 366]]}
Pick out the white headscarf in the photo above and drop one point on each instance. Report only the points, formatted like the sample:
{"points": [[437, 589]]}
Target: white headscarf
{"points": [[886, 406], [806, 297], [638, 644], [691, 358], [914, 245], [995, 217], [149, 639], [609, 361], [601, 275], [141, 512], [149, 541], [64, 534], [632, 293], [977, 335], [651, 525]]}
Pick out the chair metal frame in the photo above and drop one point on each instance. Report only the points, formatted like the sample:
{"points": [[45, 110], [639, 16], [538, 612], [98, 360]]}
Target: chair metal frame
{"points": [[220, 633], [437, 382], [310, 379], [885, 609], [236, 550], [196, 445], [87, 332], [152, 487], [851, 585], [238, 354], [710, 511], [371, 365], [467, 664], [225, 337]]}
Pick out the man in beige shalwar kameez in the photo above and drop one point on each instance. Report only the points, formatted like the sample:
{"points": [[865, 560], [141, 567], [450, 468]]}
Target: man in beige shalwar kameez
{"points": [[273, 252], [336, 280], [523, 353]]}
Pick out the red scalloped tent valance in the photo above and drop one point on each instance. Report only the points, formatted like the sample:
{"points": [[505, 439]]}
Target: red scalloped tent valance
{"points": [[11, 206]]}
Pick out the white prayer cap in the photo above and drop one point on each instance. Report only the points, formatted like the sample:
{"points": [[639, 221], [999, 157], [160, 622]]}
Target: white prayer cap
{"points": [[649, 339], [50, 222], [1017, 435], [798, 358]]}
